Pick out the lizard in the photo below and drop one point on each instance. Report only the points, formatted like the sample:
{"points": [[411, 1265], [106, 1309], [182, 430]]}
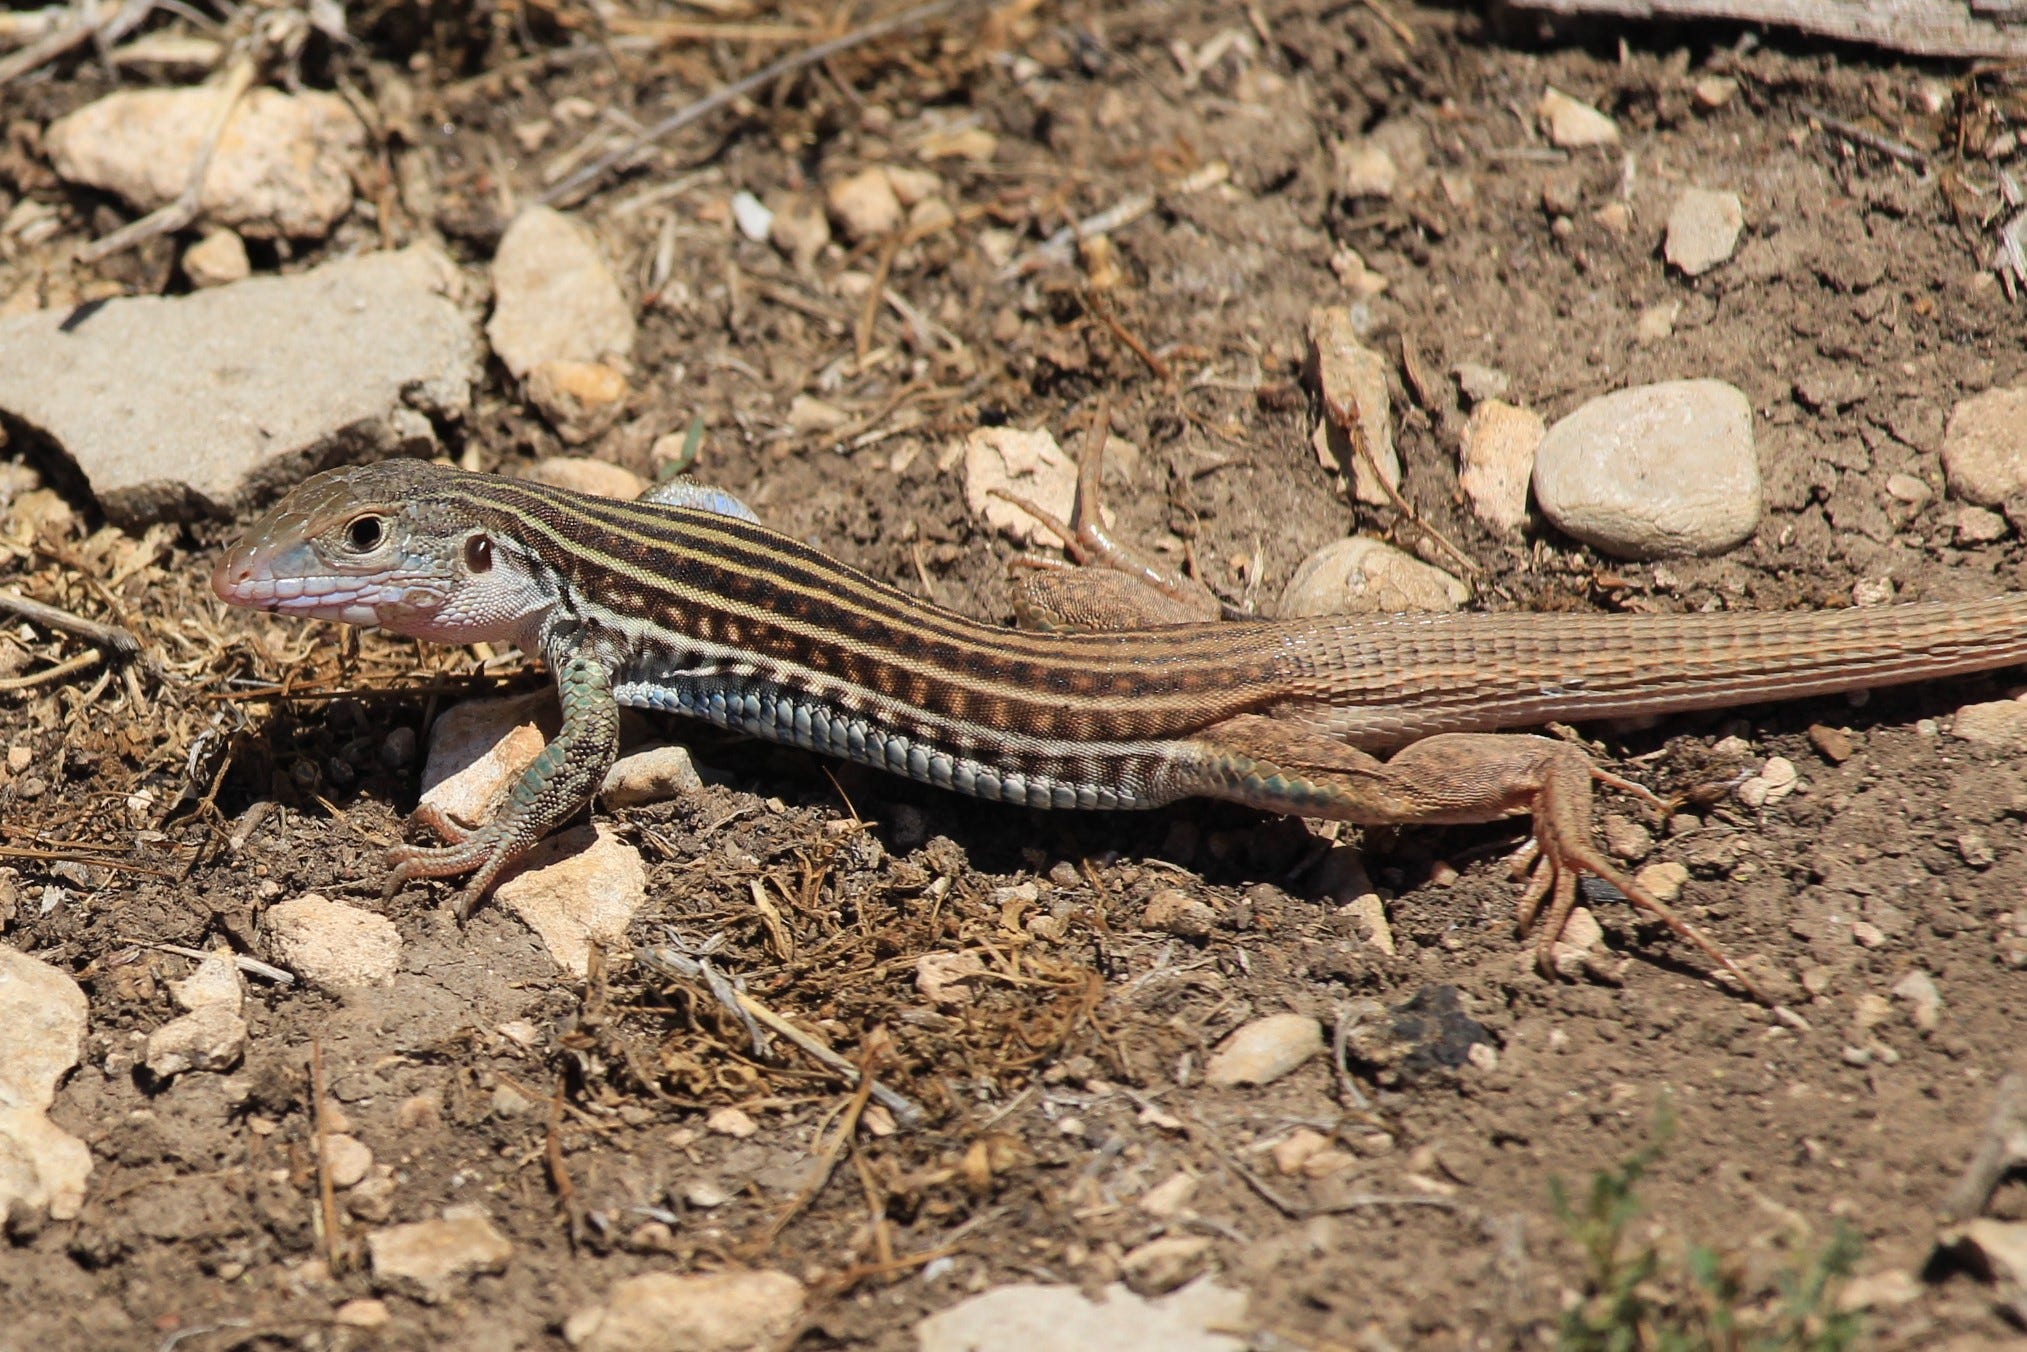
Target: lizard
{"points": [[683, 602]]}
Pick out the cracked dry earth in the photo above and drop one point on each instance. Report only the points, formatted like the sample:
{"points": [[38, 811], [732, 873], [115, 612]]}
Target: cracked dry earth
{"points": [[1099, 962]]}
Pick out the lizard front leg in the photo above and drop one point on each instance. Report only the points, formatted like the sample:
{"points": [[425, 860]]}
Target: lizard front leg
{"points": [[551, 791], [1453, 778]]}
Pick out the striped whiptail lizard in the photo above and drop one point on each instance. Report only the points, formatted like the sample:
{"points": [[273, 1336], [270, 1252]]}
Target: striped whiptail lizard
{"points": [[687, 604]]}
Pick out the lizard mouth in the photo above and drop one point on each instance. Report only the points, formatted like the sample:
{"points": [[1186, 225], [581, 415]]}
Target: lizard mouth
{"points": [[293, 581]]}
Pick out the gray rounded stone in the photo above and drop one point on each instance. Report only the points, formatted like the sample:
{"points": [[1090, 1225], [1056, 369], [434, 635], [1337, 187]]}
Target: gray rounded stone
{"points": [[1656, 471]]}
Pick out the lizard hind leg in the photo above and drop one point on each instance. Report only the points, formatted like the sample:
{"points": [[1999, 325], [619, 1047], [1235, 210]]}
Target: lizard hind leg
{"points": [[1453, 779]]}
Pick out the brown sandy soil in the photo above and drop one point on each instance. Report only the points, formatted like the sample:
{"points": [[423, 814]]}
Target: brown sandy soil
{"points": [[1071, 1084]]}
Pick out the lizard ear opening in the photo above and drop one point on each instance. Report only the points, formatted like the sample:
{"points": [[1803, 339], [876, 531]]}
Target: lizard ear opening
{"points": [[479, 554]]}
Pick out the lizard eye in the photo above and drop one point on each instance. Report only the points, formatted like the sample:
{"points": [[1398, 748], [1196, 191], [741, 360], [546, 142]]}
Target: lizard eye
{"points": [[364, 534], [479, 553]]}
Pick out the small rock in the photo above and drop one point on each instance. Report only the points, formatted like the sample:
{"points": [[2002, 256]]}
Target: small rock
{"points": [[1908, 489], [1654, 471], [1161, 1265], [1712, 92], [1663, 881], [809, 414], [332, 945], [653, 774], [1976, 526], [1295, 1150], [1573, 125], [1985, 446], [1867, 935], [1479, 382], [733, 1122], [1626, 839], [1497, 461], [1361, 281], [212, 1037], [479, 748], [1170, 1197], [707, 1194], [690, 1312], [364, 1313], [1352, 378], [554, 296], [1365, 169], [1833, 744], [576, 888], [1264, 1050], [582, 400], [1574, 954], [912, 187], [1029, 464], [2001, 724], [1028, 1317], [865, 206], [1369, 913], [430, 1259], [1656, 323], [1924, 1001], [800, 230], [1174, 911], [348, 1158], [219, 259], [752, 217], [1357, 576], [284, 165], [599, 478], [43, 1017], [944, 978], [215, 982], [1703, 230], [226, 392]]}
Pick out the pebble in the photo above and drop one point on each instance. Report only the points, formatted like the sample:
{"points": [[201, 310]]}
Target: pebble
{"points": [[284, 167], [1976, 526], [1574, 954], [1031, 1317], [43, 1016], [1657, 322], [1497, 461], [706, 1194], [1833, 744], [1352, 379], [219, 259], [733, 1122], [1654, 471], [1369, 914], [1626, 839], [1664, 881], [555, 297], [479, 748], [1170, 1197], [1924, 1001], [577, 888], [2001, 724], [752, 216], [1572, 124], [221, 389], [1174, 911], [801, 231], [1161, 1265], [1027, 463], [1478, 382], [1293, 1151], [429, 1260], [945, 978], [1985, 446], [363, 1313], [653, 774], [333, 945], [1365, 169], [216, 981], [1775, 781], [212, 1037], [865, 205], [582, 400], [691, 1312], [1264, 1050], [1712, 92], [599, 478], [348, 1159], [1703, 230], [1357, 576]]}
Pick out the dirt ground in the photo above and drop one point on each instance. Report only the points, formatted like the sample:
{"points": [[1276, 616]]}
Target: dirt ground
{"points": [[1856, 312]]}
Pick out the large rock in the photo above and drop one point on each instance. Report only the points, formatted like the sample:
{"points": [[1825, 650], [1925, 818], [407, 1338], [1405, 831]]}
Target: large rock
{"points": [[690, 1312], [175, 408], [42, 1026], [284, 164], [1029, 1317]]}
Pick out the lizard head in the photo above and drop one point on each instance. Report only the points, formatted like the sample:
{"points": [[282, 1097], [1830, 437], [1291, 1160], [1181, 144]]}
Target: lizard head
{"points": [[389, 544]]}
